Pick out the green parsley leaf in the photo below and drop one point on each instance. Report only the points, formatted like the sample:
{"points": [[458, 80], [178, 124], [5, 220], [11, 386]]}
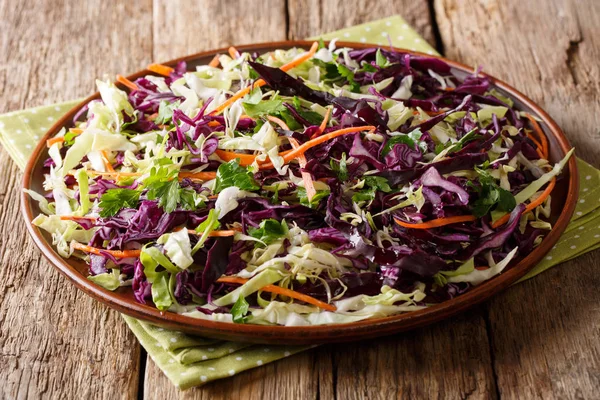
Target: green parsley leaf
{"points": [[378, 182], [162, 184], [373, 184], [269, 231], [165, 112], [188, 199], [210, 224], [380, 59], [69, 138], [239, 310], [368, 67], [340, 167], [490, 195], [265, 107], [113, 200], [255, 106], [233, 174], [289, 119], [330, 68], [349, 75], [410, 139], [314, 202], [321, 44]]}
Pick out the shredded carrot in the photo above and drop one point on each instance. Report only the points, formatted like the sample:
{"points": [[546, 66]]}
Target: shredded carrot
{"points": [[233, 52], [531, 206], [540, 133], [261, 82], [74, 217], [434, 223], [323, 123], [323, 138], [309, 185], [238, 96], [245, 159], [127, 83], [60, 139], [538, 145], [306, 56], [161, 69], [214, 123], [223, 233], [279, 122], [215, 61], [107, 163], [204, 175], [281, 291], [114, 253], [289, 155], [482, 268]]}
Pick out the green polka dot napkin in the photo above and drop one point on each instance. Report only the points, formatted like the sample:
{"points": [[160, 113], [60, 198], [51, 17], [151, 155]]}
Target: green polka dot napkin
{"points": [[191, 360]]}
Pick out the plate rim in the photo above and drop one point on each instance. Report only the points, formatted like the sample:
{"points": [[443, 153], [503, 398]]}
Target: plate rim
{"points": [[365, 329]]}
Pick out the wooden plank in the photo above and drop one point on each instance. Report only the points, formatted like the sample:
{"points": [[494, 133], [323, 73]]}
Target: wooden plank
{"points": [[181, 28], [544, 331], [449, 360], [295, 377], [312, 17], [206, 25], [55, 342]]}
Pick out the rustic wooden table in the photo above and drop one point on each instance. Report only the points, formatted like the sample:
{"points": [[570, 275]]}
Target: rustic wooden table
{"points": [[540, 339]]}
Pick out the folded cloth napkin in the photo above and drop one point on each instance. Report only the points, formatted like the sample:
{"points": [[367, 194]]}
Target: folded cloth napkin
{"points": [[191, 360]]}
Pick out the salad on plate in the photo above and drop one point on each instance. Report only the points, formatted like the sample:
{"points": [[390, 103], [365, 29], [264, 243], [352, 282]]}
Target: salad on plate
{"points": [[298, 187]]}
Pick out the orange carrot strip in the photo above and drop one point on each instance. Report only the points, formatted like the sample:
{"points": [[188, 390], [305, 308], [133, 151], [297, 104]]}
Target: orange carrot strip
{"points": [[538, 130], [107, 163], [223, 233], [538, 145], [74, 217], [482, 268], [245, 159], [238, 96], [233, 52], [281, 291], [215, 61], [114, 253], [306, 56], [261, 82], [323, 124], [279, 122], [309, 185], [203, 175], [434, 223], [161, 69], [60, 139], [531, 206], [127, 83], [323, 138]]}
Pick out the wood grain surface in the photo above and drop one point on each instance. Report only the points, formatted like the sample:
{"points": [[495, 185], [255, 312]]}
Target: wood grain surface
{"points": [[55, 342], [539, 339]]}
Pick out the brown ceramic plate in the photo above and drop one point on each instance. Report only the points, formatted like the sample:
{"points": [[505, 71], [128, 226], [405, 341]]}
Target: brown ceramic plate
{"points": [[122, 300]]}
